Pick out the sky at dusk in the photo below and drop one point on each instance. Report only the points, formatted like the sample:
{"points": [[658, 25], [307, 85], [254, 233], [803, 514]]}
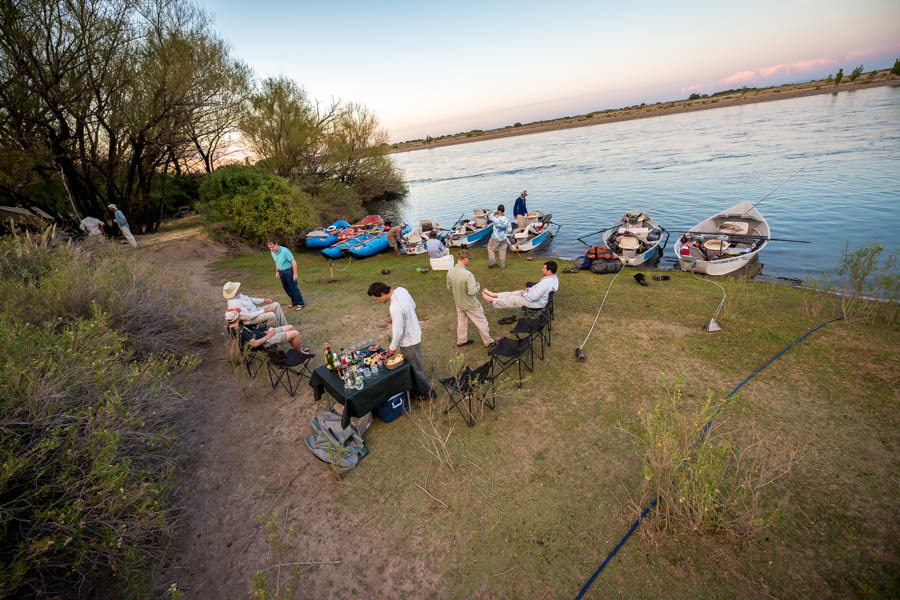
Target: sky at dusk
{"points": [[436, 68]]}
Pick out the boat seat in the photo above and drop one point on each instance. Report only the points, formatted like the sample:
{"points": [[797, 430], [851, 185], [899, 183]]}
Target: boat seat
{"points": [[734, 228], [715, 245], [478, 213], [521, 234], [532, 214], [627, 242]]}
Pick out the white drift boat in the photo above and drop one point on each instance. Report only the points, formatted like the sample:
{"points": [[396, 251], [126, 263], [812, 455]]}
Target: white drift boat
{"points": [[636, 239], [538, 232], [724, 242], [414, 241], [468, 233]]}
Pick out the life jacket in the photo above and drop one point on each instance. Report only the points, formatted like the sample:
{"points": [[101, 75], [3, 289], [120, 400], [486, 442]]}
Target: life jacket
{"points": [[599, 253]]}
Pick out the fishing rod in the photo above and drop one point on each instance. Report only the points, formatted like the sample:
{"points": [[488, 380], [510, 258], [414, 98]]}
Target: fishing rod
{"points": [[581, 239], [794, 174], [737, 237]]}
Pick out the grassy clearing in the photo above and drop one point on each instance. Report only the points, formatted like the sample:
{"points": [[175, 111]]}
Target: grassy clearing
{"points": [[545, 486]]}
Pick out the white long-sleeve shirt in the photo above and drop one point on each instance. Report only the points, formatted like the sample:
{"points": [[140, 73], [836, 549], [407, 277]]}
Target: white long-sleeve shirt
{"points": [[248, 305], [405, 330], [538, 295]]}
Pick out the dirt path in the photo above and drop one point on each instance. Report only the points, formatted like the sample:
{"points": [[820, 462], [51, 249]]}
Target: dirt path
{"points": [[244, 457]]}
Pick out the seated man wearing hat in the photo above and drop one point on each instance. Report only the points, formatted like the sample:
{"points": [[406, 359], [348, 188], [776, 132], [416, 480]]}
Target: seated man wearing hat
{"points": [[271, 315], [260, 336]]}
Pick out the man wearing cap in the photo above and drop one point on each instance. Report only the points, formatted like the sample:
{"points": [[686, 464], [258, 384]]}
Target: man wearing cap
{"points": [[393, 237], [498, 242], [520, 210], [461, 282], [259, 336], [122, 222], [249, 308]]}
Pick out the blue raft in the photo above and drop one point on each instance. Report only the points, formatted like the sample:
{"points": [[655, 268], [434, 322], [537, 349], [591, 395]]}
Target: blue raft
{"points": [[322, 238]]}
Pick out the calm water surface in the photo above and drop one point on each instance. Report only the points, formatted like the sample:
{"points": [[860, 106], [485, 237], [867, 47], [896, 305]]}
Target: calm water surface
{"points": [[833, 161]]}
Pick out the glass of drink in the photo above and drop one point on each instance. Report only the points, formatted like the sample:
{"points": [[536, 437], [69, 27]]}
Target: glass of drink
{"points": [[374, 369]]}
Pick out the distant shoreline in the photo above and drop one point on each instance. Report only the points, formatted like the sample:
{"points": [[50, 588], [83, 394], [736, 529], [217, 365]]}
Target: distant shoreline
{"points": [[797, 90]]}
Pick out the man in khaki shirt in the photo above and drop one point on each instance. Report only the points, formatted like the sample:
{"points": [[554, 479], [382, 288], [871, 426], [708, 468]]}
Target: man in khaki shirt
{"points": [[462, 283]]}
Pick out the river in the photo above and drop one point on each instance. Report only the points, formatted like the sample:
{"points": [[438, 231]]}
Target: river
{"points": [[826, 167]]}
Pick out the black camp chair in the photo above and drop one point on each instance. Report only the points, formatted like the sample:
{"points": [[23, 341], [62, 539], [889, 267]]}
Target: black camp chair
{"points": [[467, 386], [508, 352], [288, 369], [537, 329], [531, 313], [252, 359]]}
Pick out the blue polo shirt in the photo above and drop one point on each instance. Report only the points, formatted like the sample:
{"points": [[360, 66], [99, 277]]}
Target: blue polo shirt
{"points": [[282, 258]]}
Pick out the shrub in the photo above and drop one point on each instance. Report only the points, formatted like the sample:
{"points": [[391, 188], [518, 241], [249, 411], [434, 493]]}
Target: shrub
{"points": [[854, 75], [717, 486], [86, 463], [839, 76], [868, 287], [333, 200], [517, 124], [256, 204], [895, 70]]}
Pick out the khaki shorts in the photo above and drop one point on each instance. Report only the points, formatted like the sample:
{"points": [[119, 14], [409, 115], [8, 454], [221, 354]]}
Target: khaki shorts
{"points": [[392, 242], [279, 338]]}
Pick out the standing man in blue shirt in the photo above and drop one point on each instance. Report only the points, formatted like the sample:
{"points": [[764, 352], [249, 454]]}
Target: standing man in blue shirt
{"points": [[122, 222], [286, 271], [520, 210], [498, 242]]}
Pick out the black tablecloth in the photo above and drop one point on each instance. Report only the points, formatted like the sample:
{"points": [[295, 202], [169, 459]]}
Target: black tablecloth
{"points": [[358, 403]]}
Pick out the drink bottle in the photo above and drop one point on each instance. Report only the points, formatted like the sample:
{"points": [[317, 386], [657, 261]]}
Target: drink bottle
{"points": [[329, 357]]}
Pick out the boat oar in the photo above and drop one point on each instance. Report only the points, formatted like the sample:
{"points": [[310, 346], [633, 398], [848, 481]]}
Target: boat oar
{"points": [[581, 239], [733, 236]]}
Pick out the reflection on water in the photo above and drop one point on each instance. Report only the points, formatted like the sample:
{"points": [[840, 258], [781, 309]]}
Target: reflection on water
{"points": [[831, 161]]}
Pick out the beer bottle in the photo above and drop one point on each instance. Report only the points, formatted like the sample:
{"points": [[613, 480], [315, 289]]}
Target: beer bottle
{"points": [[329, 357]]}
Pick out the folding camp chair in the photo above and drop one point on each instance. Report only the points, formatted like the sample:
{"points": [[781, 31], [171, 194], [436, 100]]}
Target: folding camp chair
{"points": [[507, 352], [535, 329], [466, 386], [288, 369], [252, 359], [531, 313]]}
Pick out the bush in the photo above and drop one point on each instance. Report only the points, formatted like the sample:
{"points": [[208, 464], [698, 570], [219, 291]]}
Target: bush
{"points": [[895, 70], [839, 76], [86, 463], [854, 75], [255, 204], [869, 287], [716, 485], [333, 200]]}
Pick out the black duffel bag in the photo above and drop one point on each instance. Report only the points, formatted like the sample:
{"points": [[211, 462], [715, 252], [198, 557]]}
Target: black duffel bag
{"points": [[602, 266]]}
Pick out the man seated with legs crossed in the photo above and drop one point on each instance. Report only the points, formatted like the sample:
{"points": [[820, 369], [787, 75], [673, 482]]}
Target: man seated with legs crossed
{"points": [[533, 297], [257, 311], [257, 336]]}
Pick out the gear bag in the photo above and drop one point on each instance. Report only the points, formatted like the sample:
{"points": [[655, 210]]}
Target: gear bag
{"points": [[599, 253]]}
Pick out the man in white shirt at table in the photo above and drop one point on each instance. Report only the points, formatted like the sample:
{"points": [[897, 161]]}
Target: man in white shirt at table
{"points": [[536, 296], [406, 335]]}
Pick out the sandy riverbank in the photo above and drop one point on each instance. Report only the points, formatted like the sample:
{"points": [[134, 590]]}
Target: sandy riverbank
{"points": [[883, 78]]}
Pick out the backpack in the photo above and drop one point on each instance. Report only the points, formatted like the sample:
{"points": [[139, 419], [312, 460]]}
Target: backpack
{"points": [[599, 253]]}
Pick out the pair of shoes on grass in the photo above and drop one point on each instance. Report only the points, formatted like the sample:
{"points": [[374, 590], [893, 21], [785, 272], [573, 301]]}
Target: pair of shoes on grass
{"points": [[570, 270], [507, 320], [661, 278]]}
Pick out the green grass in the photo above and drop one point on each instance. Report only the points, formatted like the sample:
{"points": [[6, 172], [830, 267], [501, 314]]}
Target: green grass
{"points": [[545, 486]]}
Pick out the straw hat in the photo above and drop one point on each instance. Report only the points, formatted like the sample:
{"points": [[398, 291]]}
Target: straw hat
{"points": [[231, 316], [230, 289], [112, 206]]}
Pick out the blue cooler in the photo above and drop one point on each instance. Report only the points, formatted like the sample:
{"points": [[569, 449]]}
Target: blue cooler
{"points": [[393, 407]]}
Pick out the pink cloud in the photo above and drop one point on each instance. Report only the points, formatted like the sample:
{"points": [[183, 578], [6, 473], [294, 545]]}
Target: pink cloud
{"points": [[754, 75]]}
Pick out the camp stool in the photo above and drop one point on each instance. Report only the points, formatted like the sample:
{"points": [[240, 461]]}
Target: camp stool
{"points": [[465, 386], [288, 369]]}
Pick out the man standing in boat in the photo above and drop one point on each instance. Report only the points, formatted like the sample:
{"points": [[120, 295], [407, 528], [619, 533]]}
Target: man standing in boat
{"points": [[499, 234], [462, 283], [520, 210]]}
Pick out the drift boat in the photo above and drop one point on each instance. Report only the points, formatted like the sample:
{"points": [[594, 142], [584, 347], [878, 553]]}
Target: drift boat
{"points": [[538, 232], [471, 232], [414, 242], [724, 242], [636, 239]]}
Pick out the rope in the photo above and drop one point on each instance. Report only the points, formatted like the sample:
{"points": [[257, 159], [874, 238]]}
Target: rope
{"points": [[601, 308], [696, 445], [717, 284], [347, 265]]}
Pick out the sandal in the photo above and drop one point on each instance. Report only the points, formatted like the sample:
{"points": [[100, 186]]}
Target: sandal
{"points": [[299, 307], [507, 320], [569, 270]]}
